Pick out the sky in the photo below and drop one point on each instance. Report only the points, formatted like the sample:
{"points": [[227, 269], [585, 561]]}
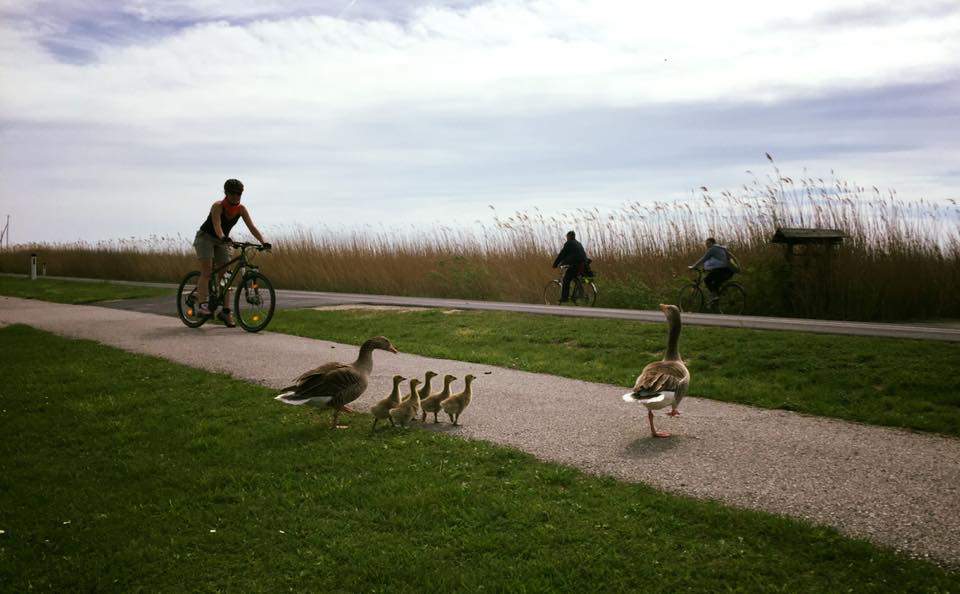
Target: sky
{"points": [[122, 118]]}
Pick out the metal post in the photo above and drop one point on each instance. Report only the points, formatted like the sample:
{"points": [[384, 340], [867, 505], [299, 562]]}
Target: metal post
{"points": [[43, 269], [33, 267]]}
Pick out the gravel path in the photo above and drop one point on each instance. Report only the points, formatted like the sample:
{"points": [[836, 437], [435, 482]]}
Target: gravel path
{"points": [[890, 486]]}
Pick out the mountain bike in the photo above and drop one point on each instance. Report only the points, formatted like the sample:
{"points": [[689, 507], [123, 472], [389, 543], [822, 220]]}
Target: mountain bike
{"points": [[731, 300], [583, 290], [253, 300]]}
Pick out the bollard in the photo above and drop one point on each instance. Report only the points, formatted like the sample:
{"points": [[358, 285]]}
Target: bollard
{"points": [[43, 269], [33, 267]]}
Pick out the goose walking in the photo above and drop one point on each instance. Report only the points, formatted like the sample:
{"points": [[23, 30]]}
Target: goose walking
{"points": [[431, 404], [663, 383], [409, 408], [335, 385], [457, 403], [381, 410]]}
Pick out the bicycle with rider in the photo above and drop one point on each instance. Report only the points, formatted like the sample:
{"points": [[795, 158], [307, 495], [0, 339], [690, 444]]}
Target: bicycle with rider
{"points": [[574, 257], [719, 264], [212, 243]]}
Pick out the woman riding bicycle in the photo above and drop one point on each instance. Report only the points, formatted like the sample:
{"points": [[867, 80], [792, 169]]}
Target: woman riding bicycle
{"points": [[212, 243], [720, 265]]}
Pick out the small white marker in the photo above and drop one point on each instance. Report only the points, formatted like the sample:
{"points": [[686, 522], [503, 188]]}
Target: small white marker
{"points": [[212, 531]]}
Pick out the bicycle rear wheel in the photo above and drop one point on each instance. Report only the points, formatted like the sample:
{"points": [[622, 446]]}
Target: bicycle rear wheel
{"points": [[690, 299], [254, 302], [551, 293], [188, 302], [584, 293], [733, 299]]}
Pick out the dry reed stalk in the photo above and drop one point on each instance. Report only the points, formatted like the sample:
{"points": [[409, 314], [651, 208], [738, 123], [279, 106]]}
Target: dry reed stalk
{"points": [[640, 250]]}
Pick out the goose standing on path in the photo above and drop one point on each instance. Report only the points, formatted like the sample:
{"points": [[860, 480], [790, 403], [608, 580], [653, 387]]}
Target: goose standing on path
{"points": [[456, 404], [663, 383], [431, 404], [335, 385]]}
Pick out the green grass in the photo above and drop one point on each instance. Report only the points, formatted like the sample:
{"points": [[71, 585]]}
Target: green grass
{"points": [[882, 381], [125, 472], [75, 291]]}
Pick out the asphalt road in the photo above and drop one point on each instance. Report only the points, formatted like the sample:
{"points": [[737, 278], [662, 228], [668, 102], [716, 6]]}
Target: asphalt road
{"points": [[303, 299], [894, 487]]}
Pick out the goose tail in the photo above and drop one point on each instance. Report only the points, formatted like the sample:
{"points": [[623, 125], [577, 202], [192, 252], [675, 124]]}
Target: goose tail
{"points": [[286, 399], [630, 397]]}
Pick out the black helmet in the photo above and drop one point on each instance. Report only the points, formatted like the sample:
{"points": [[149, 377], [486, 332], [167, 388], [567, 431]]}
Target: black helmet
{"points": [[233, 187]]}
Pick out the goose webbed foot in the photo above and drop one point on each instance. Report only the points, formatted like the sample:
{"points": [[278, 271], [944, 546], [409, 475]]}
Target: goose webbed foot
{"points": [[673, 413], [653, 430], [335, 424]]}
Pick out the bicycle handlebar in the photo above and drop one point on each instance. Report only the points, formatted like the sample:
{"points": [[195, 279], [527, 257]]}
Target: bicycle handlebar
{"points": [[245, 245]]}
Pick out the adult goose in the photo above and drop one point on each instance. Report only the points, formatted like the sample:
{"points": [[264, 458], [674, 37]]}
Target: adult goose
{"points": [[663, 383], [335, 385]]}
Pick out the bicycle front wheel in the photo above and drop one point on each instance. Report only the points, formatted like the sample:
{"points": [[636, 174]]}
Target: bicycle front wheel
{"points": [[585, 293], [188, 302], [254, 302], [733, 299], [690, 299], [551, 293]]}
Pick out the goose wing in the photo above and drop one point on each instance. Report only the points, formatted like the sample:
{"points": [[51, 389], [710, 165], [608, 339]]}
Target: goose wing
{"points": [[339, 383], [325, 368], [661, 376]]}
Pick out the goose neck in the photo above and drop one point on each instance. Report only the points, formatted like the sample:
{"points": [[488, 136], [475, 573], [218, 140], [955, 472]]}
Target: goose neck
{"points": [[673, 340]]}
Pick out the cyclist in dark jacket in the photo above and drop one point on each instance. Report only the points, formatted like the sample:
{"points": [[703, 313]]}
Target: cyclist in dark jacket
{"points": [[575, 258]]}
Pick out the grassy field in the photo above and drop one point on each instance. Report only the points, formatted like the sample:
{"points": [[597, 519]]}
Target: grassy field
{"points": [[893, 382], [900, 383], [74, 292], [640, 252], [123, 472]]}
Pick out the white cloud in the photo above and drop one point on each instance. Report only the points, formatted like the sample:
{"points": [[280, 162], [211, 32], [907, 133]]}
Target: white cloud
{"points": [[499, 56], [464, 106]]}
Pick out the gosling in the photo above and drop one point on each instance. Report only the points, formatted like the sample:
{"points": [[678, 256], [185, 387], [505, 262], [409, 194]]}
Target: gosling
{"points": [[432, 403], [456, 404], [381, 410], [409, 408]]}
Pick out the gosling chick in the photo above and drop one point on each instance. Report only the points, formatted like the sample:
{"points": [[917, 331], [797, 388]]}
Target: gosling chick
{"points": [[424, 389], [432, 403], [456, 404], [409, 408], [381, 410]]}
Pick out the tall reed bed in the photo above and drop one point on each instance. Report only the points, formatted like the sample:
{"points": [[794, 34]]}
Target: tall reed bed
{"points": [[900, 260]]}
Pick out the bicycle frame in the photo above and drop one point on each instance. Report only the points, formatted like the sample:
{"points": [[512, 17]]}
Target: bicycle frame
{"points": [[242, 264], [578, 282]]}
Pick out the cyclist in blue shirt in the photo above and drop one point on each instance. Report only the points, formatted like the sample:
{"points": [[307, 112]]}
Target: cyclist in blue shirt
{"points": [[719, 264]]}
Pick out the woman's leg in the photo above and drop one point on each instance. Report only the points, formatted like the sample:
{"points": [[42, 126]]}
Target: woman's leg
{"points": [[203, 285]]}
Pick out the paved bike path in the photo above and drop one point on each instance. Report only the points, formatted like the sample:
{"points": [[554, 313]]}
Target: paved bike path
{"points": [[891, 486], [290, 299]]}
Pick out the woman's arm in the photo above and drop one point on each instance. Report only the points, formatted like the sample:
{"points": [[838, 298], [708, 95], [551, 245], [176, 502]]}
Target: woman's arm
{"points": [[249, 223], [215, 211]]}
